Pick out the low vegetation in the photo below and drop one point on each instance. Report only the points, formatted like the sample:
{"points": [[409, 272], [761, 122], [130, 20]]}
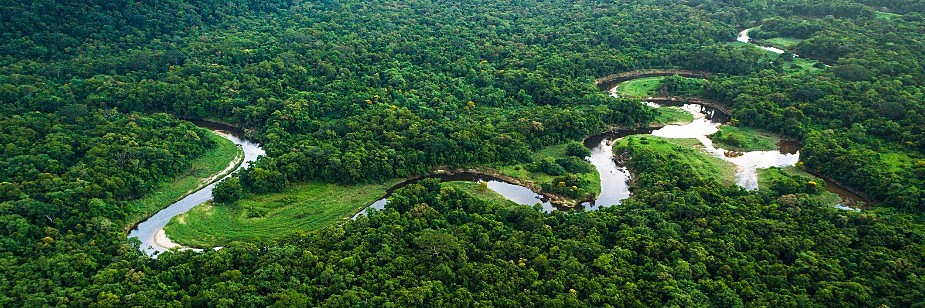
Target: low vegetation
{"points": [[479, 191], [697, 165], [793, 181], [640, 87], [672, 115], [744, 139], [785, 43], [202, 169], [256, 217], [555, 166]]}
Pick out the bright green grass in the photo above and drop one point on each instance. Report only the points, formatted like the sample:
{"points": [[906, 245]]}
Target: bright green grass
{"points": [[202, 169], [799, 65], [898, 162], [796, 66], [673, 115], [744, 139], [640, 87], [479, 192], [302, 207], [886, 15], [521, 172], [784, 43], [766, 176], [690, 152]]}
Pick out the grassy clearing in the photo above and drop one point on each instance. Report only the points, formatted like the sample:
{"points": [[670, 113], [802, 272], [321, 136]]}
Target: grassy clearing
{"points": [[482, 193], [689, 152], [785, 43], [799, 65], [523, 173], [201, 169], [899, 162], [744, 139], [886, 15], [767, 176], [303, 207], [641, 87], [796, 66], [673, 115]]}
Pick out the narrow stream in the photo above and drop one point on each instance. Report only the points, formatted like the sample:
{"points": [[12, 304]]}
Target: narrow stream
{"points": [[614, 178], [516, 193], [744, 38], [707, 122], [150, 232]]}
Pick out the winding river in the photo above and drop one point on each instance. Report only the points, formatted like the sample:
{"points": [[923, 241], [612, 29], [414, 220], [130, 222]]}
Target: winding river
{"points": [[151, 231], [744, 38], [614, 178]]}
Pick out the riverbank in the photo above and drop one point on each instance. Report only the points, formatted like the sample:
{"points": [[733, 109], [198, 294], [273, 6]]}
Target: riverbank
{"points": [[767, 178], [301, 207], [199, 191], [689, 152], [528, 175], [204, 170], [745, 139]]}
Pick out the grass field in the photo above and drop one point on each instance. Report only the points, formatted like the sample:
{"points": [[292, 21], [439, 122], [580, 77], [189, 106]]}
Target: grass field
{"points": [[899, 162], [302, 207], [886, 15], [785, 43], [798, 65], [801, 65], [520, 171], [202, 168], [688, 151], [766, 176], [673, 115], [478, 192], [641, 87], [744, 139]]}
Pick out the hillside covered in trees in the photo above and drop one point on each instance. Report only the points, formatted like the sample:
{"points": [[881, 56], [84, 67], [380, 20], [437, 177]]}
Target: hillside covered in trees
{"points": [[95, 99]]}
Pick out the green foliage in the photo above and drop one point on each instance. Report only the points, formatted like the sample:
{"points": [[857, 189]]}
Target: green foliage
{"points": [[682, 160], [576, 149], [300, 208], [640, 87], [744, 139], [363, 91], [549, 166], [555, 161], [228, 190], [573, 164], [673, 115], [570, 186], [681, 86], [857, 166], [202, 170]]}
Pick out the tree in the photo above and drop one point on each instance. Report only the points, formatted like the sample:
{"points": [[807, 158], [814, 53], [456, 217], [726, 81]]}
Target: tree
{"points": [[228, 191], [577, 149]]}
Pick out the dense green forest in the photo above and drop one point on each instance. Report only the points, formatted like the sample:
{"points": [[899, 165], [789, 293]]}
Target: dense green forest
{"points": [[94, 98]]}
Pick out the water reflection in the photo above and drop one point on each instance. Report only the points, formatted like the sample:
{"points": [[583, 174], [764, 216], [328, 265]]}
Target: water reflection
{"points": [[744, 38], [515, 193], [706, 122]]}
